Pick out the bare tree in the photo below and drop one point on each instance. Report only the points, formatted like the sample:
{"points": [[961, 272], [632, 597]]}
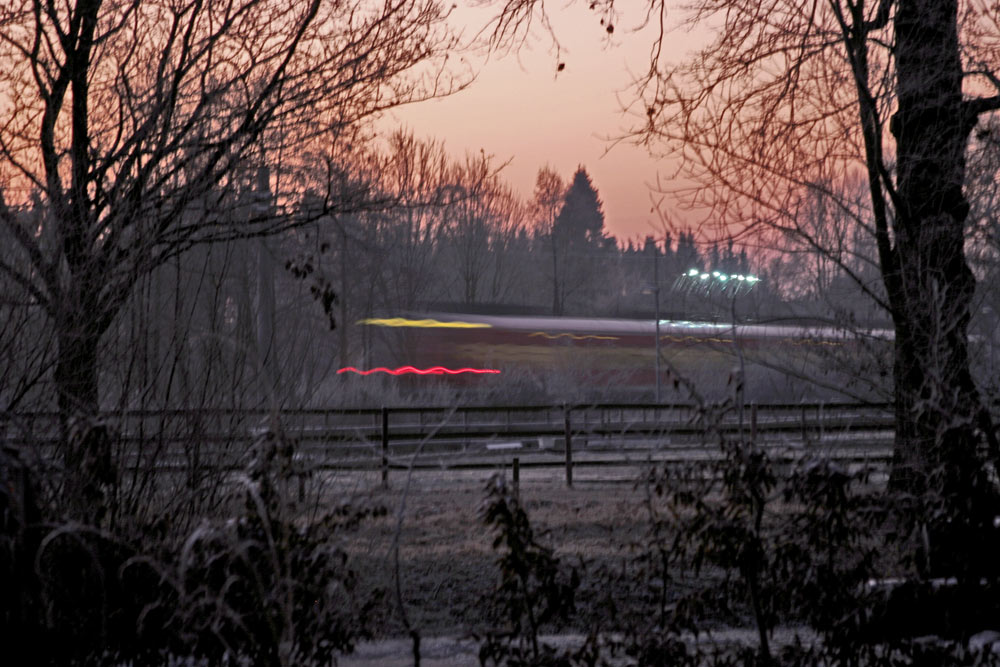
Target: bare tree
{"points": [[789, 94], [793, 93], [409, 234], [875, 88], [549, 193], [509, 245], [388, 254], [480, 223], [132, 121]]}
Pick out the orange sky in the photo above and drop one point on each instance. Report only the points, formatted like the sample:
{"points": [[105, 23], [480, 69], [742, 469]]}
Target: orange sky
{"points": [[519, 109]]}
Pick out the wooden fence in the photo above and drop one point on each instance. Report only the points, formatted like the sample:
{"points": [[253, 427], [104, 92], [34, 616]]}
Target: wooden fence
{"points": [[469, 437]]}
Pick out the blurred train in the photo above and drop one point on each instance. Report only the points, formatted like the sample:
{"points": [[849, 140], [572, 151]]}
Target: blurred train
{"points": [[576, 358]]}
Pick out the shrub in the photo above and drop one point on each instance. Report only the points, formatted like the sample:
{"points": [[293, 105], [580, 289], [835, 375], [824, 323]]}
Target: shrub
{"points": [[534, 589], [267, 585], [802, 541]]}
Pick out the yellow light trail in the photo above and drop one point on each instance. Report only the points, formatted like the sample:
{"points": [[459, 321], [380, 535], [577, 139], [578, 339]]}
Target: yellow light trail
{"points": [[422, 324], [572, 336], [694, 339], [801, 341]]}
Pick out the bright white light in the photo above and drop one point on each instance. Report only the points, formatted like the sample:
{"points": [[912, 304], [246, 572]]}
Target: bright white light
{"points": [[753, 279], [715, 273], [704, 276], [723, 277], [692, 273], [741, 278]]}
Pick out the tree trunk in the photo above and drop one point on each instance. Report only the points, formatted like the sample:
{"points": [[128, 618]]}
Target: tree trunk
{"points": [[76, 371], [939, 415], [86, 441]]}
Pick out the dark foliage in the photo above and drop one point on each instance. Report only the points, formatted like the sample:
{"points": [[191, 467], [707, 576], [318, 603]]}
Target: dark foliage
{"points": [[534, 589], [269, 585], [761, 541], [804, 542]]}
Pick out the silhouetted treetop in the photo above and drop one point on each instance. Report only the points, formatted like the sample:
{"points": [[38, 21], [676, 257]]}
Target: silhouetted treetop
{"points": [[581, 219]]}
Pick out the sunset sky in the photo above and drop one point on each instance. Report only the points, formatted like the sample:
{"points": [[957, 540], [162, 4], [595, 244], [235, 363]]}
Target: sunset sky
{"points": [[520, 109]]}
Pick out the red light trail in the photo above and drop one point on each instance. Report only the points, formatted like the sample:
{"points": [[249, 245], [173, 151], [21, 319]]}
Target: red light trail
{"points": [[434, 370]]}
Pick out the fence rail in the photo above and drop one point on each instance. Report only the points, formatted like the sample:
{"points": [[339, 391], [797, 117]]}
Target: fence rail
{"points": [[456, 437]]}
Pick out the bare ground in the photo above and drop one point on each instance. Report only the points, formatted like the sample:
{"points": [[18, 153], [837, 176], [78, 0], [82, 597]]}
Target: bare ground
{"points": [[447, 564], [446, 560]]}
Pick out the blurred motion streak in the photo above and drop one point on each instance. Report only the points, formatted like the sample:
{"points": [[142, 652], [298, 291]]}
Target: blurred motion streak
{"points": [[434, 370], [571, 336], [422, 324]]}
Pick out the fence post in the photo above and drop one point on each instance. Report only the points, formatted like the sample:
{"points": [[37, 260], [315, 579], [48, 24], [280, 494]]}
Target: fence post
{"points": [[805, 432], [819, 417], [516, 471], [569, 447], [385, 447], [753, 422]]}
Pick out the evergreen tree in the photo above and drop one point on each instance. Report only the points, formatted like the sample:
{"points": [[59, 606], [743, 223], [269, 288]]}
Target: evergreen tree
{"points": [[580, 246], [581, 219], [687, 254], [649, 246]]}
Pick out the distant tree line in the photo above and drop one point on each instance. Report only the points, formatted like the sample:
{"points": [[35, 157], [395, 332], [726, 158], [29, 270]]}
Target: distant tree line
{"points": [[267, 318]]}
